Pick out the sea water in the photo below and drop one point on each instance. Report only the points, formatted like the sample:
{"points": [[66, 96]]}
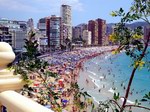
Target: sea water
{"points": [[111, 73]]}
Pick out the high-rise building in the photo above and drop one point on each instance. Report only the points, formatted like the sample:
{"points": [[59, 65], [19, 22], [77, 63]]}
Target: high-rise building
{"points": [[18, 31], [98, 32], [30, 23], [78, 30], [9, 23], [18, 38], [42, 25], [92, 26], [53, 31], [5, 35], [87, 37], [102, 40], [66, 21]]}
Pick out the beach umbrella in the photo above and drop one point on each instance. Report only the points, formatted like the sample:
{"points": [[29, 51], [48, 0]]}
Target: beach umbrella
{"points": [[64, 101], [47, 106], [61, 82]]}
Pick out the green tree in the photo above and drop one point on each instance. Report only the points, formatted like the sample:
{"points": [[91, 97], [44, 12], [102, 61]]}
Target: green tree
{"points": [[132, 41], [30, 64]]}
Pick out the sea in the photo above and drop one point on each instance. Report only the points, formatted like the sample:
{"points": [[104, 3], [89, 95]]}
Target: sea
{"points": [[111, 73]]}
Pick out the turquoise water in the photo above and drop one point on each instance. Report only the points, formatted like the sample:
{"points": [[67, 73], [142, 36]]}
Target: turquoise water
{"points": [[113, 71]]}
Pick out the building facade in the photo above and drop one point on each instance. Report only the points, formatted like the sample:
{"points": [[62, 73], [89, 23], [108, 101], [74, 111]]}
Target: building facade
{"points": [[98, 32], [30, 24], [53, 31], [78, 30], [5, 35], [92, 26], [102, 40], [66, 21], [42, 25], [87, 37], [17, 31]]}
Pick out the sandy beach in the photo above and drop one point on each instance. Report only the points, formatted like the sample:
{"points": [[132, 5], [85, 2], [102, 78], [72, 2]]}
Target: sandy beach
{"points": [[71, 69], [68, 65]]}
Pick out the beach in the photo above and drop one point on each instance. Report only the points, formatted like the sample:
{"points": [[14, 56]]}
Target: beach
{"points": [[110, 75], [69, 65], [86, 66]]}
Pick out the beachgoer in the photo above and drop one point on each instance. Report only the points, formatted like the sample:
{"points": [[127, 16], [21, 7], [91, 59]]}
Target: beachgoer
{"points": [[99, 90]]}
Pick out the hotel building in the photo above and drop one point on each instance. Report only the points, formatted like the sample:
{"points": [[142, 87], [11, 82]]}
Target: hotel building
{"points": [[53, 31], [13, 32], [66, 21]]}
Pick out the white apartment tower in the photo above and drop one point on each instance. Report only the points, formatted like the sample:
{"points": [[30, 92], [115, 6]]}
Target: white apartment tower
{"points": [[66, 21], [87, 37]]}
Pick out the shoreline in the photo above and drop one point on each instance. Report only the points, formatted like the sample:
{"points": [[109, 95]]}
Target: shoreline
{"points": [[87, 82], [70, 69], [87, 75], [68, 65]]}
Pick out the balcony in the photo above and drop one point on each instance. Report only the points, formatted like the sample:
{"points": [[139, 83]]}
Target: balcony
{"points": [[9, 84]]}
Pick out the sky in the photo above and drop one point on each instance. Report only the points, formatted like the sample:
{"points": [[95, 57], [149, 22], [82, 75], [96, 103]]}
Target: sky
{"points": [[82, 10]]}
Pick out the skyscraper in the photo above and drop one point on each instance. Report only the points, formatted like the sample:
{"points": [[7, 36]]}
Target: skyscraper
{"points": [[92, 26], [53, 31], [66, 21], [42, 25], [30, 23], [101, 31], [98, 31]]}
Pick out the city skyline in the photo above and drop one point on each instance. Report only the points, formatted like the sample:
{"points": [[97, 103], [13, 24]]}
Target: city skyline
{"points": [[82, 10]]}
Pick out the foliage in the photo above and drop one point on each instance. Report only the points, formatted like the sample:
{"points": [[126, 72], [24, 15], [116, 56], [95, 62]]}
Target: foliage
{"points": [[132, 42], [31, 64], [116, 96], [31, 45], [79, 93], [146, 97]]}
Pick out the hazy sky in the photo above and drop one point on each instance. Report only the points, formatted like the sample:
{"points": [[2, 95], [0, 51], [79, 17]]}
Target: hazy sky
{"points": [[82, 10]]}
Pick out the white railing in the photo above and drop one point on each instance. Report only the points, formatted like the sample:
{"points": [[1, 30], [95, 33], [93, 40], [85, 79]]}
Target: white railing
{"points": [[14, 102]]}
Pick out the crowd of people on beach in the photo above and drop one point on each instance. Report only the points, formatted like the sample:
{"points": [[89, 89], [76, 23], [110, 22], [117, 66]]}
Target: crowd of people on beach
{"points": [[67, 65]]}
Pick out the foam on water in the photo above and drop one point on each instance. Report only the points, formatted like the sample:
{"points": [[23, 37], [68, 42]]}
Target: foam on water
{"points": [[94, 98], [111, 90], [94, 81], [128, 101], [91, 72], [107, 56], [101, 77]]}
